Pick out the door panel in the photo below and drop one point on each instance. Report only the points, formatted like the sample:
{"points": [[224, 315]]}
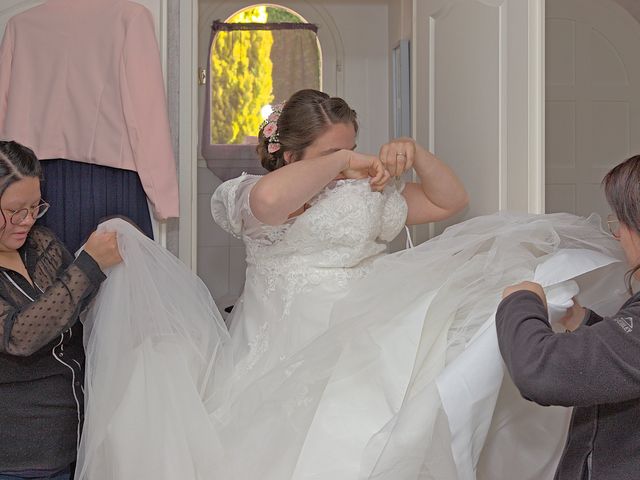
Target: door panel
{"points": [[592, 100], [476, 86]]}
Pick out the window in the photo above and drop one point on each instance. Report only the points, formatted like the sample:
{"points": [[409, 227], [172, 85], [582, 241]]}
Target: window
{"points": [[259, 56]]}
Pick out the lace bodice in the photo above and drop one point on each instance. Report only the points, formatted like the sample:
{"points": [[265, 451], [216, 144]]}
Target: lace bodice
{"points": [[296, 271], [345, 227]]}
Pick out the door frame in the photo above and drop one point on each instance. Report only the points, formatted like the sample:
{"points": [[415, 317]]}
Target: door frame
{"points": [[537, 101], [188, 133]]}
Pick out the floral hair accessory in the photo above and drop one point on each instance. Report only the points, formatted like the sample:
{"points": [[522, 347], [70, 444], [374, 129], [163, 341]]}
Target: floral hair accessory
{"points": [[269, 128]]}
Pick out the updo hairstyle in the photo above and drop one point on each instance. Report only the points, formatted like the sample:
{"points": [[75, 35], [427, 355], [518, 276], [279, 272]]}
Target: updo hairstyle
{"points": [[304, 117]]}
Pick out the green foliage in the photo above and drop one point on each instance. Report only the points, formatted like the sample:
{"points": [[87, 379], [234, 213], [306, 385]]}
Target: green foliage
{"points": [[241, 79], [280, 15]]}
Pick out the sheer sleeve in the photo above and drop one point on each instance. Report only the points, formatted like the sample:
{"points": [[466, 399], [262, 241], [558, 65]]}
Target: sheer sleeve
{"points": [[24, 330], [230, 205]]}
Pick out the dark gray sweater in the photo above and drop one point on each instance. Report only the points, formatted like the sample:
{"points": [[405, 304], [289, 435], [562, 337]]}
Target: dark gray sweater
{"points": [[595, 368]]}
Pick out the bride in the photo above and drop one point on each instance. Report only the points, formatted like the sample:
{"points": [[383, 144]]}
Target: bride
{"points": [[339, 360], [311, 228]]}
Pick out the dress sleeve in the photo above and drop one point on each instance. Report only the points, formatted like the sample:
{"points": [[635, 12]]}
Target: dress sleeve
{"points": [[146, 116], [230, 205], [6, 59], [27, 329], [394, 215]]}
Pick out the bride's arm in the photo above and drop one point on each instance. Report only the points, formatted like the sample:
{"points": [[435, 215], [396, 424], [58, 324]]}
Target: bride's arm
{"points": [[440, 193], [284, 191]]}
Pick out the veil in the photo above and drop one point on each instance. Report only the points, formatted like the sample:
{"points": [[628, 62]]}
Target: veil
{"points": [[406, 383], [155, 346]]}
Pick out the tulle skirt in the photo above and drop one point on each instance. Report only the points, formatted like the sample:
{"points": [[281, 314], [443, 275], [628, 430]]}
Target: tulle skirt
{"points": [[406, 381]]}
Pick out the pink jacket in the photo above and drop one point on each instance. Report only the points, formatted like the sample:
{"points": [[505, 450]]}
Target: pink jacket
{"points": [[82, 80]]}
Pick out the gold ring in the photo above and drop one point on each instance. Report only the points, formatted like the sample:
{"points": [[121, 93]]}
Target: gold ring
{"points": [[400, 154]]}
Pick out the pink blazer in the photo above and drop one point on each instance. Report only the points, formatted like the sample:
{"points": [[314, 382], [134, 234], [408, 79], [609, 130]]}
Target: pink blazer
{"points": [[82, 80]]}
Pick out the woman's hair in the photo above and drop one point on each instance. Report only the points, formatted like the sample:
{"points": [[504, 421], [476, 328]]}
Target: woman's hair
{"points": [[622, 190], [305, 116], [16, 163]]}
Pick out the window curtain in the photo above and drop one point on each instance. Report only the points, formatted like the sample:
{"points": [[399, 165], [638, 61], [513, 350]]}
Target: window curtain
{"points": [[258, 64]]}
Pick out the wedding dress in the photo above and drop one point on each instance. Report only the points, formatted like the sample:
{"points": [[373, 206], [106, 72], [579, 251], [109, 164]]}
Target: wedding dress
{"points": [[342, 362]]}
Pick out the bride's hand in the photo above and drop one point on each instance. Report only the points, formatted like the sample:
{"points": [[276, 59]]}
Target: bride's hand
{"points": [[398, 155], [366, 166]]}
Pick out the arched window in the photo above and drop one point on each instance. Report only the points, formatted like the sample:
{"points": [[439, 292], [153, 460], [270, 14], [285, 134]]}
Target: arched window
{"points": [[258, 56]]}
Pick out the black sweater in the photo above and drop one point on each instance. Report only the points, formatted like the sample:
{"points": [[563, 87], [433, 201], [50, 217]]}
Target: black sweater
{"points": [[41, 354], [595, 368]]}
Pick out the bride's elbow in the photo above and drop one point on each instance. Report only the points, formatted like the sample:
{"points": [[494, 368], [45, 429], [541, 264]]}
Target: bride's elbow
{"points": [[457, 205], [462, 203], [265, 204]]}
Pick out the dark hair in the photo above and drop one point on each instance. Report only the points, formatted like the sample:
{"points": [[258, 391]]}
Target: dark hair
{"points": [[305, 116], [16, 163], [622, 190]]}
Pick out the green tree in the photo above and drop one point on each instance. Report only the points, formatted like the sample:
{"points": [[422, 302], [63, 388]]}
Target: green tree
{"points": [[241, 79], [280, 15]]}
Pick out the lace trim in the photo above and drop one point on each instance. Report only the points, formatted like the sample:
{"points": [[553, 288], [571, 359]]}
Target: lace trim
{"points": [[257, 348]]}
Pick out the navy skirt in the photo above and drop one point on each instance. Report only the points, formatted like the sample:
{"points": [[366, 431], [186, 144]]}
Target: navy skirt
{"points": [[82, 194]]}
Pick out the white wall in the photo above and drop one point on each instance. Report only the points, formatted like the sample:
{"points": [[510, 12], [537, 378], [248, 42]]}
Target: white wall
{"points": [[359, 29], [363, 28]]}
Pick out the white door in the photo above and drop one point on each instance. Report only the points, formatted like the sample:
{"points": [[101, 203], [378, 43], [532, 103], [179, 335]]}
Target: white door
{"points": [[158, 9], [593, 100], [478, 91]]}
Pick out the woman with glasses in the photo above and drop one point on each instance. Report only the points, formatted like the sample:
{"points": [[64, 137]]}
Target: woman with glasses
{"points": [[593, 366], [43, 289]]}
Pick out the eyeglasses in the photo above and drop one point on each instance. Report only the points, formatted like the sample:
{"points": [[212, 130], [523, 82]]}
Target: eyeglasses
{"points": [[18, 216], [614, 225]]}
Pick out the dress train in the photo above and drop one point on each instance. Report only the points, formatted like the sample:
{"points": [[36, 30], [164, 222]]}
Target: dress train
{"points": [[386, 391]]}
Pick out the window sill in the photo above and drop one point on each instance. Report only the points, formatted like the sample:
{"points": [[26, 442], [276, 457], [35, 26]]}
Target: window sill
{"points": [[230, 161]]}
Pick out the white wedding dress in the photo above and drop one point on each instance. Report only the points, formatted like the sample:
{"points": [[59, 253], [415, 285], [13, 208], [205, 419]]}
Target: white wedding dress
{"points": [[342, 363]]}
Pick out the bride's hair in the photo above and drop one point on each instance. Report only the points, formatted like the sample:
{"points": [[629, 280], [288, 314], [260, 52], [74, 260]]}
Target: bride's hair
{"points": [[305, 116], [16, 163], [622, 190]]}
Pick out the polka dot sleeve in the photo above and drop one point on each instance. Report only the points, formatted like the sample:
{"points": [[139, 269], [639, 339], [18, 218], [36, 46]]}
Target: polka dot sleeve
{"points": [[26, 328]]}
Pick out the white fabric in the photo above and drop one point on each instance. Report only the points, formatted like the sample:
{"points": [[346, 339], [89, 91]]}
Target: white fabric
{"points": [[332, 367], [155, 345], [298, 270], [470, 385]]}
